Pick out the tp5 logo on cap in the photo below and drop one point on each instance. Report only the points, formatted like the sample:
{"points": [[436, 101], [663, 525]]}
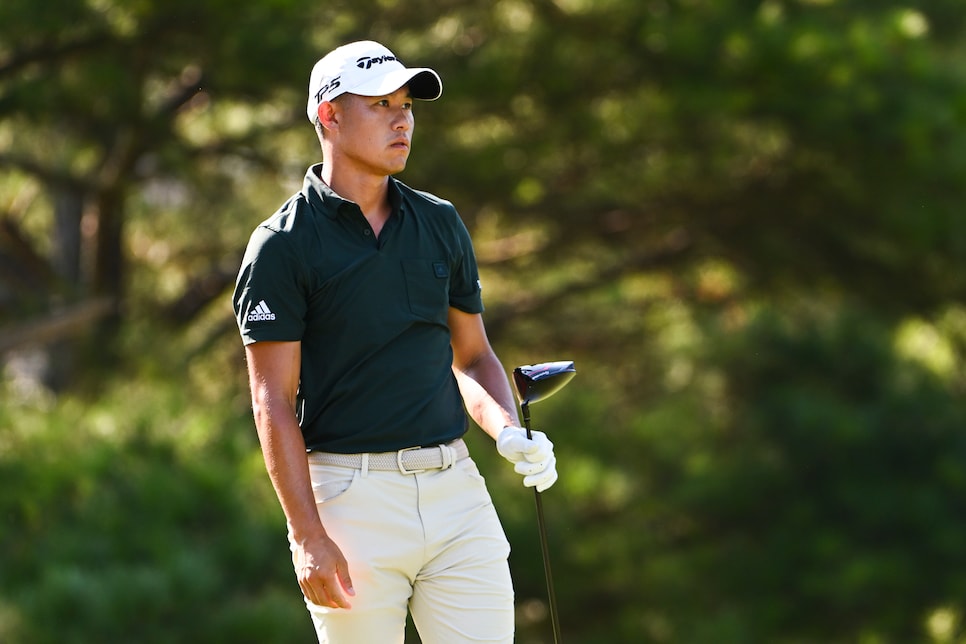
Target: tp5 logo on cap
{"points": [[366, 68], [330, 86]]}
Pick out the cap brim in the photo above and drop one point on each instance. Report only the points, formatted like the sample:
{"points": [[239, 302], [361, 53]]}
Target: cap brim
{"points": [[423, 82]]}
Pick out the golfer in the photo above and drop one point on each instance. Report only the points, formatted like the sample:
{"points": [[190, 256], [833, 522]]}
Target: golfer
{"points": [[359, 306]]}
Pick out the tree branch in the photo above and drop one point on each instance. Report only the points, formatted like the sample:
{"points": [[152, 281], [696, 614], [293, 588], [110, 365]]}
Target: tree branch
{"points": [[56, 325], [676, 245], [50, 50]]}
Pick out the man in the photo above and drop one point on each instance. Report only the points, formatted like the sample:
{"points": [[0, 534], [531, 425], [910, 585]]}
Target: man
{"points": [[359, 306]]}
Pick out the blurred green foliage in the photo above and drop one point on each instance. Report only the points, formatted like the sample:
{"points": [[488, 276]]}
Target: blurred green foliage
{"points": [[742, 220], [135, 519]]}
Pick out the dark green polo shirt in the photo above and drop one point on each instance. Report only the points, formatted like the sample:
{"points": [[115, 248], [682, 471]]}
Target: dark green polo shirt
{"points": [[371, 314]]}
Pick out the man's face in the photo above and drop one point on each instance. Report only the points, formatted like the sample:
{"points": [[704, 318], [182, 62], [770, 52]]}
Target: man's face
{"points": [[375, 132]]}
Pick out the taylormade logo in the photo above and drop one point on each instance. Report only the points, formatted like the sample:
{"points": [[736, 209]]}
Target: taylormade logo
{"points": [[366, 61], [261, 313]]}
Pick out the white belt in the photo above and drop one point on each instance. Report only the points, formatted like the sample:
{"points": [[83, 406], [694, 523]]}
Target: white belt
{"points": [[411, 460]]}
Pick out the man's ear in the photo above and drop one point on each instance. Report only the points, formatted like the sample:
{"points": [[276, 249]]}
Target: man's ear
{"points": [[328, 115]]}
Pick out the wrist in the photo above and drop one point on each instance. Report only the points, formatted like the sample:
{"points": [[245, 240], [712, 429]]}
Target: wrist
{"points": [[306, 531]]}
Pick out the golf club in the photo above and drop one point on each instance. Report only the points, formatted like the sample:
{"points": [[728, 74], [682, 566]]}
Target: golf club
{"points": [[533, 383]]}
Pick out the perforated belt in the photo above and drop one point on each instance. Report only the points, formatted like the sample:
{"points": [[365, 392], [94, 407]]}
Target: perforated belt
{"points": [[411, 460]]}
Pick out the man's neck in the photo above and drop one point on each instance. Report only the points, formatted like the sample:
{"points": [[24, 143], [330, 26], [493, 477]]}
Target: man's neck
{"points": [[369, 192]]}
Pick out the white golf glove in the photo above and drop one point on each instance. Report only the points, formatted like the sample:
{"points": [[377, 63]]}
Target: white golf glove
{"points": [[533, 458]]}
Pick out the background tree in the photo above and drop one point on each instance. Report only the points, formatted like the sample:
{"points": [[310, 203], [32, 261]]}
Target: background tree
{"points": [[95, 99]]}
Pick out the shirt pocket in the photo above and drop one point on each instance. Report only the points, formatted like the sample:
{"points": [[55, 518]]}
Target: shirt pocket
{"points": [[427, 287]]}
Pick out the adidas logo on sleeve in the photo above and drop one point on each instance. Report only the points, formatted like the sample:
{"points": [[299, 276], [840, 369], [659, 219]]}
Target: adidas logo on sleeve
{"points": [[261, 313]]}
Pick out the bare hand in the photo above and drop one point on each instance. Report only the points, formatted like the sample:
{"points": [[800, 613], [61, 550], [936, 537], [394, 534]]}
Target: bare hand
{"points": [[323, 573]]}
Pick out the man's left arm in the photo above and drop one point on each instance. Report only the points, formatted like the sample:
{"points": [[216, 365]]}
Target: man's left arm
{"points": [[489, 400], [481, 378]]}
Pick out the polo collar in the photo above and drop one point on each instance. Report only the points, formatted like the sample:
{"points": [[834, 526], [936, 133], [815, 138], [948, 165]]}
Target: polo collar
{"points": [[320, 196], [328, 202]]}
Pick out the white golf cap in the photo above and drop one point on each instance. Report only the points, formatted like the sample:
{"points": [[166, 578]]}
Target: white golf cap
{"points": [[368, 69]]}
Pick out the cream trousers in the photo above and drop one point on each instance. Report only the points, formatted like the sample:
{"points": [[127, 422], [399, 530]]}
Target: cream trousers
{"points": [[430, 543]]}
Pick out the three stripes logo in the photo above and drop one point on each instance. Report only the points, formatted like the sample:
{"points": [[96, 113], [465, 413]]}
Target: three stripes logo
{"points": [[261, 313]]}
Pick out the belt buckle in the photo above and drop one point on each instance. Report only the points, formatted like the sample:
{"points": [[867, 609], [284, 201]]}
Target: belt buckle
{"points": [[399, 461]]}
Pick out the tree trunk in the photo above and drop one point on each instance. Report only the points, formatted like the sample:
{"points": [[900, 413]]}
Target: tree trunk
{"points": [[108, 270], [66, 247], [65, 260]]}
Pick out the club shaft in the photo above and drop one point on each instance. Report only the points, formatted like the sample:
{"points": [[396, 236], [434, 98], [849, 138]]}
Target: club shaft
{"points": [[551, 596], [544, 547]]}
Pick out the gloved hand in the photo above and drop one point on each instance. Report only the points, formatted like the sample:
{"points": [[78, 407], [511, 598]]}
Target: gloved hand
{"points": [[533, 458]]}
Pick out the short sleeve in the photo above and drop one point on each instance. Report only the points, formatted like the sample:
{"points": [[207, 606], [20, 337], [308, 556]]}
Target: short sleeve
{"points": [[465, 289], [270, 292]]}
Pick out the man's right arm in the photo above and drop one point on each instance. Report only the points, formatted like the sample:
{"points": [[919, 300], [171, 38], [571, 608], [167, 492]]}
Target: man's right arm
{"points": [[321, 569]]}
